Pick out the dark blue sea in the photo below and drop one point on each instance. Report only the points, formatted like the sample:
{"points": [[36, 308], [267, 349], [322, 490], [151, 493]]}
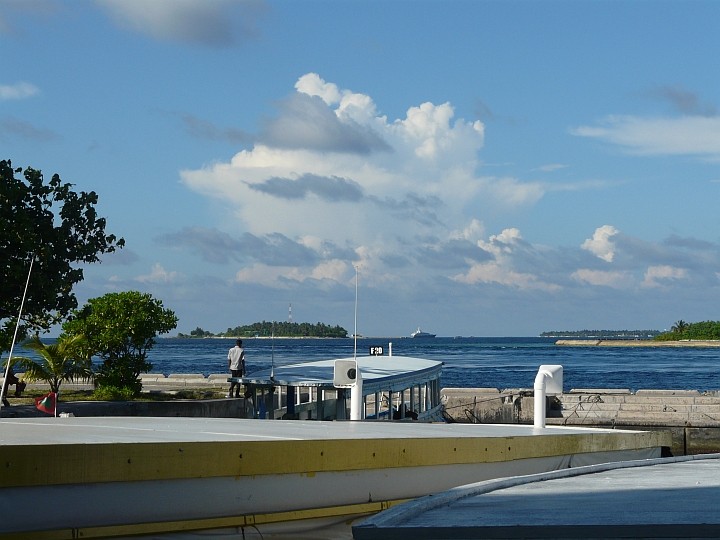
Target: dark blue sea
{"points": [[469, 362]]}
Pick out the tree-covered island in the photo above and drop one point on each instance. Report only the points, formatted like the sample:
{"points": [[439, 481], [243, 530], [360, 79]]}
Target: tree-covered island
{"points": [[601, 334], [273, 328], [698, 331], [680, 331]]}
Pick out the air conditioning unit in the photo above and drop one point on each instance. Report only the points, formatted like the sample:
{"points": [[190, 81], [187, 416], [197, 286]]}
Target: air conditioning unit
{"points": [[345, 373]]}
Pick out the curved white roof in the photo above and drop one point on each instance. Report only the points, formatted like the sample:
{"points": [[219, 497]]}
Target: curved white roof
{"points": [[378, 372]]}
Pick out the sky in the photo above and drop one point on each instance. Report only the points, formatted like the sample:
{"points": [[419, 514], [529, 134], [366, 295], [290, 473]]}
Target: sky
{"points": [[474, 168]]}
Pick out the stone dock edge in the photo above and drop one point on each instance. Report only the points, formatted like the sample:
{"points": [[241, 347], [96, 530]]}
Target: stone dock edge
{"points": [[692, 416]]}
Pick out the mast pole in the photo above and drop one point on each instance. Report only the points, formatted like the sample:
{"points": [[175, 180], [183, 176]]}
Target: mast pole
{"points": [[17, 326], [272, 352], [356, 311]]}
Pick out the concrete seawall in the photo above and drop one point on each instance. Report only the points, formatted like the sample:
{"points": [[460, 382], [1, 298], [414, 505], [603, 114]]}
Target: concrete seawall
{"points": [[212, 405], [151, 382], [692, 418]]}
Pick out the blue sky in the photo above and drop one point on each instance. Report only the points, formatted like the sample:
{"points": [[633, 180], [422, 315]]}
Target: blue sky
{"points": [[490, 168]]}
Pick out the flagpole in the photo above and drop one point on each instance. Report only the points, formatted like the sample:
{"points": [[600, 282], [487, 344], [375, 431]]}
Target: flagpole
{"points": [[17, 326]]}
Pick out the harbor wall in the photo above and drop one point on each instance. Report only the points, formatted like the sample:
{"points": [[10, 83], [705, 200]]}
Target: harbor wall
{"points": [[186, 408], [693, 418], [211, 405]]}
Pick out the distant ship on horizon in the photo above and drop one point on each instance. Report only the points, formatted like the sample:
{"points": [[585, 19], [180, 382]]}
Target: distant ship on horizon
{"points": [[420, 334]]}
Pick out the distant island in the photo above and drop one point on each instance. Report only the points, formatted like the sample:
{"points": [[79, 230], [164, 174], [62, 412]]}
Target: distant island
{"points": [[681, 331], [602, 334], [273, 328], [685, 331]]}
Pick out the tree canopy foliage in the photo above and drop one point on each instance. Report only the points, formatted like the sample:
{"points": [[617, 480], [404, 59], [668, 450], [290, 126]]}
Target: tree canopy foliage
{"points": [[705, 330], [601, 334], [56, 227], [121, 328], [287, 329], [64, 360], [278, 329], [199, 332]]}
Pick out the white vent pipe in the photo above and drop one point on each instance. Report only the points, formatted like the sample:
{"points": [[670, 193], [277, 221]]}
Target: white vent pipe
{"points": [[549, 380]]}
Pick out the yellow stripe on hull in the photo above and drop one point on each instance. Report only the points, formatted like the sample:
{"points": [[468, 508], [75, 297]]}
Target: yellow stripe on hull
{"points": [[42, 465], [351, 511]]}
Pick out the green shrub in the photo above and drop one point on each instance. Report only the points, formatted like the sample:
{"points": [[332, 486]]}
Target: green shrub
{"points": [[121, 373], [113, 393]]}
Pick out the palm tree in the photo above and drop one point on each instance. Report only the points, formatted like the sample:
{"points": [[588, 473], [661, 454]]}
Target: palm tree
{"points": [[62, 361], [679, 327]]}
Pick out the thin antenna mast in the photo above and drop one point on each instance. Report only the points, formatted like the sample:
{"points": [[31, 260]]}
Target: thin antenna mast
{"points": [[356, 309], [17, 326], [272, 353]]}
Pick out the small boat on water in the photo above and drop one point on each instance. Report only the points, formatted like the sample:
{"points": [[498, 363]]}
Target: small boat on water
{"points": [[420, 334], [393, 388]]}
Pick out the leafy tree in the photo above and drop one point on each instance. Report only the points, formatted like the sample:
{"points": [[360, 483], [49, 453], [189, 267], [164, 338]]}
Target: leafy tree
{"points": [[601, 334], [679, 327], [65, 360], [199, 332], [705, 330], [58, 228], [287, 329], [121, 328]]}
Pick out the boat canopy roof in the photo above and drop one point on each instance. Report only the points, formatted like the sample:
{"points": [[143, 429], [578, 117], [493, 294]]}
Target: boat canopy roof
{"points": [[392, 373]]}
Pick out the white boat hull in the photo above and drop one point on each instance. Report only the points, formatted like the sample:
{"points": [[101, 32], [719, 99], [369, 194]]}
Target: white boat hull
{"points": [[103, 477]]}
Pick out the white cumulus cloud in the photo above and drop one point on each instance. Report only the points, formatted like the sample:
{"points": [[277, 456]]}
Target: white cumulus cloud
{"points": [[496, 272], [21, 90], [601, 244], [683, 135], [217, 23], [604, 278], [330, 166], [656, 276], [158, 275], [508, 250], [473, 232]]}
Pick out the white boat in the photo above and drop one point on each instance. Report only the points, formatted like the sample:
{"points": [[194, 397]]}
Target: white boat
{"points": [[249, 478], [649, 498], [305, 479], [393, 388], [420, 334]]}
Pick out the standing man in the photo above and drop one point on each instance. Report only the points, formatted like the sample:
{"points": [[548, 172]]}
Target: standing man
{"points": [[12, 379], [236, 364]]}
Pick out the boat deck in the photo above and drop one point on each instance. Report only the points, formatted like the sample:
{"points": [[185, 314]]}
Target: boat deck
{"points": [[658, 498], [210, 473], [310, 390], [38, 432]]}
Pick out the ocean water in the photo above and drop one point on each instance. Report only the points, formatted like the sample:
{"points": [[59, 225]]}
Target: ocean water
{"points": [[469, 362]]}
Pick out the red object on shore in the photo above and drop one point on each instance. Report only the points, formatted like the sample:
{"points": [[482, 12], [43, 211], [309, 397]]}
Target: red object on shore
{"points": [[47, 403]]}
